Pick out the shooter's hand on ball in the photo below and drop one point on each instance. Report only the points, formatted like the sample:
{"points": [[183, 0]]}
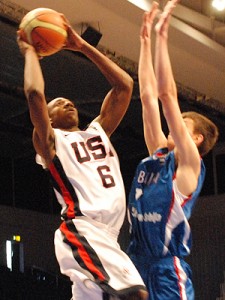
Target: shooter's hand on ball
{"points": [[24, 47], [74, 40]]}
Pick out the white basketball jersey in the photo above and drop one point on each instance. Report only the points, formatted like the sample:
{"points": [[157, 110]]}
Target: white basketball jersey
{"points": [[87, 176]]}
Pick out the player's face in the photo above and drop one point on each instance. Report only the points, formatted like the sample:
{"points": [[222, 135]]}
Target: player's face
{"points": [[63, 113]]}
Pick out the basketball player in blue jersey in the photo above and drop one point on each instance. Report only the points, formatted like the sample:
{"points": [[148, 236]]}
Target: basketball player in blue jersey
{"points": [[167, 182], [86, 178]]}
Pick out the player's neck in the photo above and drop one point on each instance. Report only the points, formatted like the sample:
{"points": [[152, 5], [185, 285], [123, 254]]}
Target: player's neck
{"points": [[70, 129]]}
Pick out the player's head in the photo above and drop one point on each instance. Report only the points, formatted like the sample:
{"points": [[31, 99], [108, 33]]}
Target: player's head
{"points": [[63, 113], [204, 127]]}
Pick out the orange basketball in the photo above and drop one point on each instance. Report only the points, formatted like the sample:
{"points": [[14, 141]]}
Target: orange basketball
{"points": [[44, 29]]}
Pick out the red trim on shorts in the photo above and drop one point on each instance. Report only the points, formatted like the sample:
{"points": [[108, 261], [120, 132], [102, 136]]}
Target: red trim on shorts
{"points": [[82, 252], [179, 278]]}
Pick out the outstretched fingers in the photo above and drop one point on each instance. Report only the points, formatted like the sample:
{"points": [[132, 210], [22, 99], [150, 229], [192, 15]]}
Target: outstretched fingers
{"points": [[148, 19], [153, 12], [163, 23]]}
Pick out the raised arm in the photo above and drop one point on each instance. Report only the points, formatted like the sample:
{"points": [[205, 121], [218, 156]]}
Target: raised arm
{"points": [[43, 136], [154, 137], [118, 98], [187, 152]]}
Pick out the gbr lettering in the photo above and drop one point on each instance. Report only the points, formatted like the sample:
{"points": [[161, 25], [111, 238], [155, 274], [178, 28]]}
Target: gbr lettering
{"points": [[94, 149]]}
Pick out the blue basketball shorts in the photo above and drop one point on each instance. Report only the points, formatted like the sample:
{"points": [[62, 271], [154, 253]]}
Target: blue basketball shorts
{"points": [[167, 278]]}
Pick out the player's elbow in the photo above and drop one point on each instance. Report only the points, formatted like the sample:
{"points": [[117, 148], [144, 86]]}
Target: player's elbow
{"points": [[128, 84], [125, 88], [33, 95], [147, 95], [168, 96], [167, 92], [125, 82]]}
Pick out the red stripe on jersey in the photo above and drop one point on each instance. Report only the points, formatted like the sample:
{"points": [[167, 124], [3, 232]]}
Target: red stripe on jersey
{"points": [[65, 193], [185, 201], [82, 251]]}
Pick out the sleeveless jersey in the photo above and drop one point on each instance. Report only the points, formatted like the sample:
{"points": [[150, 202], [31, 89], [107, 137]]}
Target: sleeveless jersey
{"points": [[159, 213], [86, 176]]}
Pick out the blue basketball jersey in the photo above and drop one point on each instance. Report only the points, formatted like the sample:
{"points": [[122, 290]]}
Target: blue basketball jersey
{"points": [[158, 212]]}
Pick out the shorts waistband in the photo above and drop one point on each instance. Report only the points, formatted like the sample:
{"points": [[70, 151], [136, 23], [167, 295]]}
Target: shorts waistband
{"points": [[104, 227]]}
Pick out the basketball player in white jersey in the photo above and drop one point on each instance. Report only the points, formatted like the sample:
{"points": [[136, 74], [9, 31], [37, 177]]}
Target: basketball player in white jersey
{"points": [[86, 178]]}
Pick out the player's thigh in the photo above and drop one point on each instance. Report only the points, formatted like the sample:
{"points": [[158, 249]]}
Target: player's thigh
{"points": [[171, 283]]}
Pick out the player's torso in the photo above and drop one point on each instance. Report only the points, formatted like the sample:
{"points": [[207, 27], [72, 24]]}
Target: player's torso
{"points": [[92, 167], [151, 202]]}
